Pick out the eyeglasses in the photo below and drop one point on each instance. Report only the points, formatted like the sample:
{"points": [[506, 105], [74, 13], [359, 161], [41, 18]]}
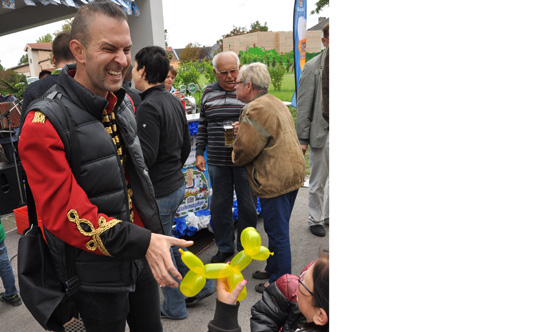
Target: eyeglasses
{"points": [[301, 281], [226, 72], [239, 82]]}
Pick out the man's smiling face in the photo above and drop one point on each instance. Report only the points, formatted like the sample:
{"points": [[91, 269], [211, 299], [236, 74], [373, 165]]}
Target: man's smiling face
{"points": [[107, 55]]}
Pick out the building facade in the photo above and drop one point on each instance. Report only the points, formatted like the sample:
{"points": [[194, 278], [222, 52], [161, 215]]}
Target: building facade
{"points": [[280, 41], [40, 55]]}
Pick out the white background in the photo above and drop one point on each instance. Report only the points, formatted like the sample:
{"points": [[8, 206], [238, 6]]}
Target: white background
{"points": [[441, 166]]}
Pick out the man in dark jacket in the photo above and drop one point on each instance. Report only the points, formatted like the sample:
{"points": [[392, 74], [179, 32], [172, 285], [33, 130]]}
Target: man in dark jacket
{"points": [[61, 55], [107, 208], [165, 139]]}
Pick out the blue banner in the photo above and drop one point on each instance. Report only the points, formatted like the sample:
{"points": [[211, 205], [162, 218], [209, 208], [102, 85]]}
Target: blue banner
{"points": [[299, 42]]}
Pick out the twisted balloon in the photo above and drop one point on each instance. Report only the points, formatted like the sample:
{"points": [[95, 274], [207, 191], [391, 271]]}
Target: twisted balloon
{"points": [[198, 273]]}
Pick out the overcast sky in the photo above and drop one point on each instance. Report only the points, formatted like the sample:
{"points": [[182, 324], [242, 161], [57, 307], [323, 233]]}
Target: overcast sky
{"points": [[187, 22]]}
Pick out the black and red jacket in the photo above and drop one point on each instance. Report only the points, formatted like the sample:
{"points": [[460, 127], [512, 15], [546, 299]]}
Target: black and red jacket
{"points": [[92, 214]]}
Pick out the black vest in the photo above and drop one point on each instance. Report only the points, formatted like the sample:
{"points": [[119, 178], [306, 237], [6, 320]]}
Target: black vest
{"points": [[106, 189]]}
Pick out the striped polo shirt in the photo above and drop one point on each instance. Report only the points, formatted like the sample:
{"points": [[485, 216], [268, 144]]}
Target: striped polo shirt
{"points": [[217, 106]]}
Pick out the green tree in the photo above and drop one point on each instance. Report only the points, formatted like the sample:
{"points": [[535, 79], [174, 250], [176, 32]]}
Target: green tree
{"points": [[276, 74], [190, 53], [12, 83], [290, 65], [47, 38], [66, 27], [256, 26], [187, 73], [208, 73], [319, 6], [24, 59]]}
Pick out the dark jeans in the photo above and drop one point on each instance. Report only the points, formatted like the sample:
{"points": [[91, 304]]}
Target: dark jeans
{"points": [[224, 179], [276, 213], [174, 304], [109, 312]]}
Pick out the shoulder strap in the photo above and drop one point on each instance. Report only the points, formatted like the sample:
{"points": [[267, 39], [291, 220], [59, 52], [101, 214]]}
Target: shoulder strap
{"points": [[70, 252], [75, 152]]}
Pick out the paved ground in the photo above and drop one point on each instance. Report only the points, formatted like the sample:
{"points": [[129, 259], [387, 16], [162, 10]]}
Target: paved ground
{"points": [[304, 248]]}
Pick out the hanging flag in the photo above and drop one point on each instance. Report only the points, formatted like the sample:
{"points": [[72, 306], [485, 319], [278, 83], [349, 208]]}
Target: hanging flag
{"points": [[127, 6], [69, 3], [135, 9], [299, 42], [10, 4]]}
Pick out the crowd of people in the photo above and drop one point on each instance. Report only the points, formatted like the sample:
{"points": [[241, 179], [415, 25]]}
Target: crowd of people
{"points": [[133, 142]]}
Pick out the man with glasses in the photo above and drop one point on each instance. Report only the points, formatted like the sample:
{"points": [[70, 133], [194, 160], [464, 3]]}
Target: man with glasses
{"points": [[219, 104]]}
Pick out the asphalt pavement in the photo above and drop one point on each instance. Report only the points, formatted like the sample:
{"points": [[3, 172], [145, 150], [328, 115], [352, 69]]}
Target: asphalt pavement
{"points": [[304, 246]]}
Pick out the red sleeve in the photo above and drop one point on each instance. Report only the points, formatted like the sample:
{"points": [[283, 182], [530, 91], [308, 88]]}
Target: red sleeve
{"points": [[56, 192]]}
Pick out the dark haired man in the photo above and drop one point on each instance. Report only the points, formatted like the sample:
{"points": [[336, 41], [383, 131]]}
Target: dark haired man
{"points": [[165, 140], [61, 55], [107, 208], [43, 73]]}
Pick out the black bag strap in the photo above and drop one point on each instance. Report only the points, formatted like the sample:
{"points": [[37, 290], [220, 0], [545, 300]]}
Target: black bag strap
{"points": [[31, 208], [71, 283]]}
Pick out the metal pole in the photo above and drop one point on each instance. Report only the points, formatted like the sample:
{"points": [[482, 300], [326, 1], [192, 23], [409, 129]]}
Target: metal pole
{"points": [[21, 198]]}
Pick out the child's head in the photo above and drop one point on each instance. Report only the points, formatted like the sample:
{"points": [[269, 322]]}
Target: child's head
{"points": [[313, 292]]}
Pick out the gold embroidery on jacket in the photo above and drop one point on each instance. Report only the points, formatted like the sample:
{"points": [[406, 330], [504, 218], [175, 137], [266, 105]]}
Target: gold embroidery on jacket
{"points": [[39, 117], [109, 122], [90, 231]]}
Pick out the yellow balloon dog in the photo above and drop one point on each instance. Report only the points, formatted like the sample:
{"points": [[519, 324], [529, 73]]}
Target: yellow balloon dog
{"points": [[198, 273]]}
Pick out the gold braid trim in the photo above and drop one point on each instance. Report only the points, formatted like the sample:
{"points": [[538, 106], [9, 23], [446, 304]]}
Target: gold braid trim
{"points": [[39, 117], [95, 242]]}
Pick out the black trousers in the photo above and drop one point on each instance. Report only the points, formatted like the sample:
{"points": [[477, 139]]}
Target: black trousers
{"points": [[109, 312]]}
